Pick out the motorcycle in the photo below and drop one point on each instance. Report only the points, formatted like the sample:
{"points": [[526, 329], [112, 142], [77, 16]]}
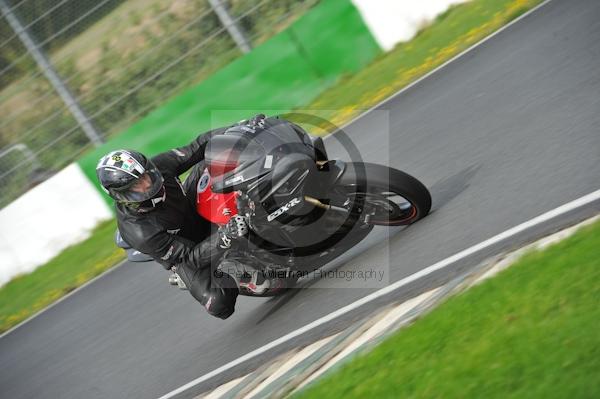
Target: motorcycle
{"points": [[302, 209]]}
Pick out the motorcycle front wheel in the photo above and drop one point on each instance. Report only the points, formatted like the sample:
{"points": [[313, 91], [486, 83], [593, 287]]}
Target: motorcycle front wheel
{"points": [[384, 196]]}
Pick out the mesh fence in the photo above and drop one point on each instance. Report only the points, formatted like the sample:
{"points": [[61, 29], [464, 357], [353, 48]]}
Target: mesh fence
{"points": [[119, 58]]}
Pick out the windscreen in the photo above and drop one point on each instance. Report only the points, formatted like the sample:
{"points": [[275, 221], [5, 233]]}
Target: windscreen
{"points": [[225, 152]]}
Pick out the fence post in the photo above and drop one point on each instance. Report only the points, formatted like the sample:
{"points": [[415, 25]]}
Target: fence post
{"points": [[44, 64], [229, 23]]}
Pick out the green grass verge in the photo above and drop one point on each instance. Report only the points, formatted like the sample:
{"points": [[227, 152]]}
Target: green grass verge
{"points": [[455, 30], [530, 332], [27, 294], [452, 32]]}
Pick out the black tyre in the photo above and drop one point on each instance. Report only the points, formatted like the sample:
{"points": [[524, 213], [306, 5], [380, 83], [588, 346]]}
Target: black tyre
{"points": [[386, 196]]}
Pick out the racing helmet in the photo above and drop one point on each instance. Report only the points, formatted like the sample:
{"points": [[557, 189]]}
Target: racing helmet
{"points": [[131, 179]]}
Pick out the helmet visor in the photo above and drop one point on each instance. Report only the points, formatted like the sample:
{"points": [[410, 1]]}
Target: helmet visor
{"points": [[143, 188]]}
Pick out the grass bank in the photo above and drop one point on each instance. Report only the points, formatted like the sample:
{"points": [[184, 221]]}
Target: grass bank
{"points": [[531, 332], [455, 30], [452, 32]]}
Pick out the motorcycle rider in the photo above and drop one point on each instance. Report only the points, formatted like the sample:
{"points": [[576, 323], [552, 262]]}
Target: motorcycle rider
{"points": [[156, 216]]}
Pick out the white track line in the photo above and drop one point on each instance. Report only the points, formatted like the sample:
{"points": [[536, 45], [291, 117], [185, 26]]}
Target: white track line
{"points": [[561, 210]]}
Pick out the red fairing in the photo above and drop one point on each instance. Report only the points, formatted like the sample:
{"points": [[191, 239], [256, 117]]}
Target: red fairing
{"points": [[215, 207]]}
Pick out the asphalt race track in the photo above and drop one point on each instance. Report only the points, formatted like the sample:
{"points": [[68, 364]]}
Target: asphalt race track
{"points": [[503, 134]]}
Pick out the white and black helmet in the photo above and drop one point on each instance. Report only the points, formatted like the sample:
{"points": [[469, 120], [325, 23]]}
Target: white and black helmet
{"points": [[130, 178]]}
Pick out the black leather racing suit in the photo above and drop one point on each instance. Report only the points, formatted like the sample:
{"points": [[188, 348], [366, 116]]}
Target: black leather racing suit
{"points": [[173, 233]]}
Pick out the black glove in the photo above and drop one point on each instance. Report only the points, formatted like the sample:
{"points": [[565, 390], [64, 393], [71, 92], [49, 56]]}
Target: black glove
{"points": [[233, 230]]}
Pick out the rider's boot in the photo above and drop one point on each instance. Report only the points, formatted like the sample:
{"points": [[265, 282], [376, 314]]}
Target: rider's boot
{"points": [[246, 277]]}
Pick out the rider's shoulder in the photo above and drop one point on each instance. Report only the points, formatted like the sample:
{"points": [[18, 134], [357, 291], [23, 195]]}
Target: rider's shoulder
{"points": [[165, 161], [138, 229]]}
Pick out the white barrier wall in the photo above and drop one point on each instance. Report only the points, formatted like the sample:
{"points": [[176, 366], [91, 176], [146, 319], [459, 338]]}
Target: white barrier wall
{"points": [[394, 21], [48, 218]]}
